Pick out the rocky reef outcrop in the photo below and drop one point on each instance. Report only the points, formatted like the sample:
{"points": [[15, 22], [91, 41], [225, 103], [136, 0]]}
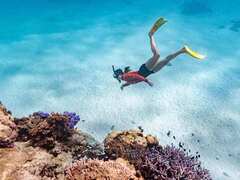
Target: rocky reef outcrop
{"points": [[55, 132], [47, 146], [128, 144], [25, 162], [8, 131]]}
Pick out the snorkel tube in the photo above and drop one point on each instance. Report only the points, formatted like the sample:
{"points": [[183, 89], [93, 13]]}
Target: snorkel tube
{"points": [[116, 73]]}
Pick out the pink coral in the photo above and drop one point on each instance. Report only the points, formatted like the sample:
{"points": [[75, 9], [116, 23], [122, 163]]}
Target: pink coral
{"points": [[98, 169], [32, 163]]}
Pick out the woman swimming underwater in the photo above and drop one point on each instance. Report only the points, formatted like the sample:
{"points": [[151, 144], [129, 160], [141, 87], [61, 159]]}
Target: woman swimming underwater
{"points": [[153, 65]]}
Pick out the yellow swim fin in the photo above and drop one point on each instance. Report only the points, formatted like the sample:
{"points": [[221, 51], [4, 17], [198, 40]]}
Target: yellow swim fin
{"points": [[158, 24], [193, 53]]}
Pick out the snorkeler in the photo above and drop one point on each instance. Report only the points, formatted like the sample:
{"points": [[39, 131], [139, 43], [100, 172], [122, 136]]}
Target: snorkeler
{"points": [[153, 65]]}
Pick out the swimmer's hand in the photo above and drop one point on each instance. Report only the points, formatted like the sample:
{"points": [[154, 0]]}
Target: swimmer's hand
{"points": [[124, 85], [149, 82]]}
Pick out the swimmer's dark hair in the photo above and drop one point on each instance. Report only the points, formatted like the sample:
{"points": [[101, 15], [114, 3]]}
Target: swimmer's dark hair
{"points": [[127, 69], [118, 72]]}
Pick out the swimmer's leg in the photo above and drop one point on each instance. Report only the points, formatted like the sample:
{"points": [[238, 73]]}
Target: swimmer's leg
{"points": [[156, 55], [164, 62], [153, 60]]}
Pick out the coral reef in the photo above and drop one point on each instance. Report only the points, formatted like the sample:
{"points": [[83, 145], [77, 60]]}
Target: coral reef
{"points": [[55, 133], [98, 169], [8, 131], [171, 163], [151, 159], [128, 144], [41, 125], [46, 146]]}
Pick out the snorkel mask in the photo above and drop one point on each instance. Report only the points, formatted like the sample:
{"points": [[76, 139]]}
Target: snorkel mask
{"points": [[117, 73]]}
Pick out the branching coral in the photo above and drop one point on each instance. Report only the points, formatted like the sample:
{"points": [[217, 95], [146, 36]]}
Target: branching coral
{"points": [[171, 163], [73, 119]]}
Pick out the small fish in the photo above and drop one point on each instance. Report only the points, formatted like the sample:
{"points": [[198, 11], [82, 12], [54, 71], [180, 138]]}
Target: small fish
{"points": [[168, 133], [225, 174], [133, 122], [180, 145], [112, 127], [174, 137], [140, 128]]}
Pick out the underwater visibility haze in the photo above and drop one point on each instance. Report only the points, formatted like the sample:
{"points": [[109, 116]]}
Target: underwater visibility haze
{"points": [[56, 55]]}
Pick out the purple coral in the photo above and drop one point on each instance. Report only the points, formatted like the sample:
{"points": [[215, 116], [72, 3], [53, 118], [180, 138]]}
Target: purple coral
{"points": [[42, 114], [171, 163], [73, 118]]}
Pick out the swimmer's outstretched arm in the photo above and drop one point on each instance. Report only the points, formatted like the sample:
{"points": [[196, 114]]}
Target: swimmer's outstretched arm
{"points": [[128, 83]]}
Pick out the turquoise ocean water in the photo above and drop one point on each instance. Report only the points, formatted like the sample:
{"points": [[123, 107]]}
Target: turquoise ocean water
{"points": [[56, 55]]}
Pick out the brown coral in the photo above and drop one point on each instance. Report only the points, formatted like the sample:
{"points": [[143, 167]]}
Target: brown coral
{"points": [[8, 131], [128, 144], [43, 132], [101, 170], [53, 133]]}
